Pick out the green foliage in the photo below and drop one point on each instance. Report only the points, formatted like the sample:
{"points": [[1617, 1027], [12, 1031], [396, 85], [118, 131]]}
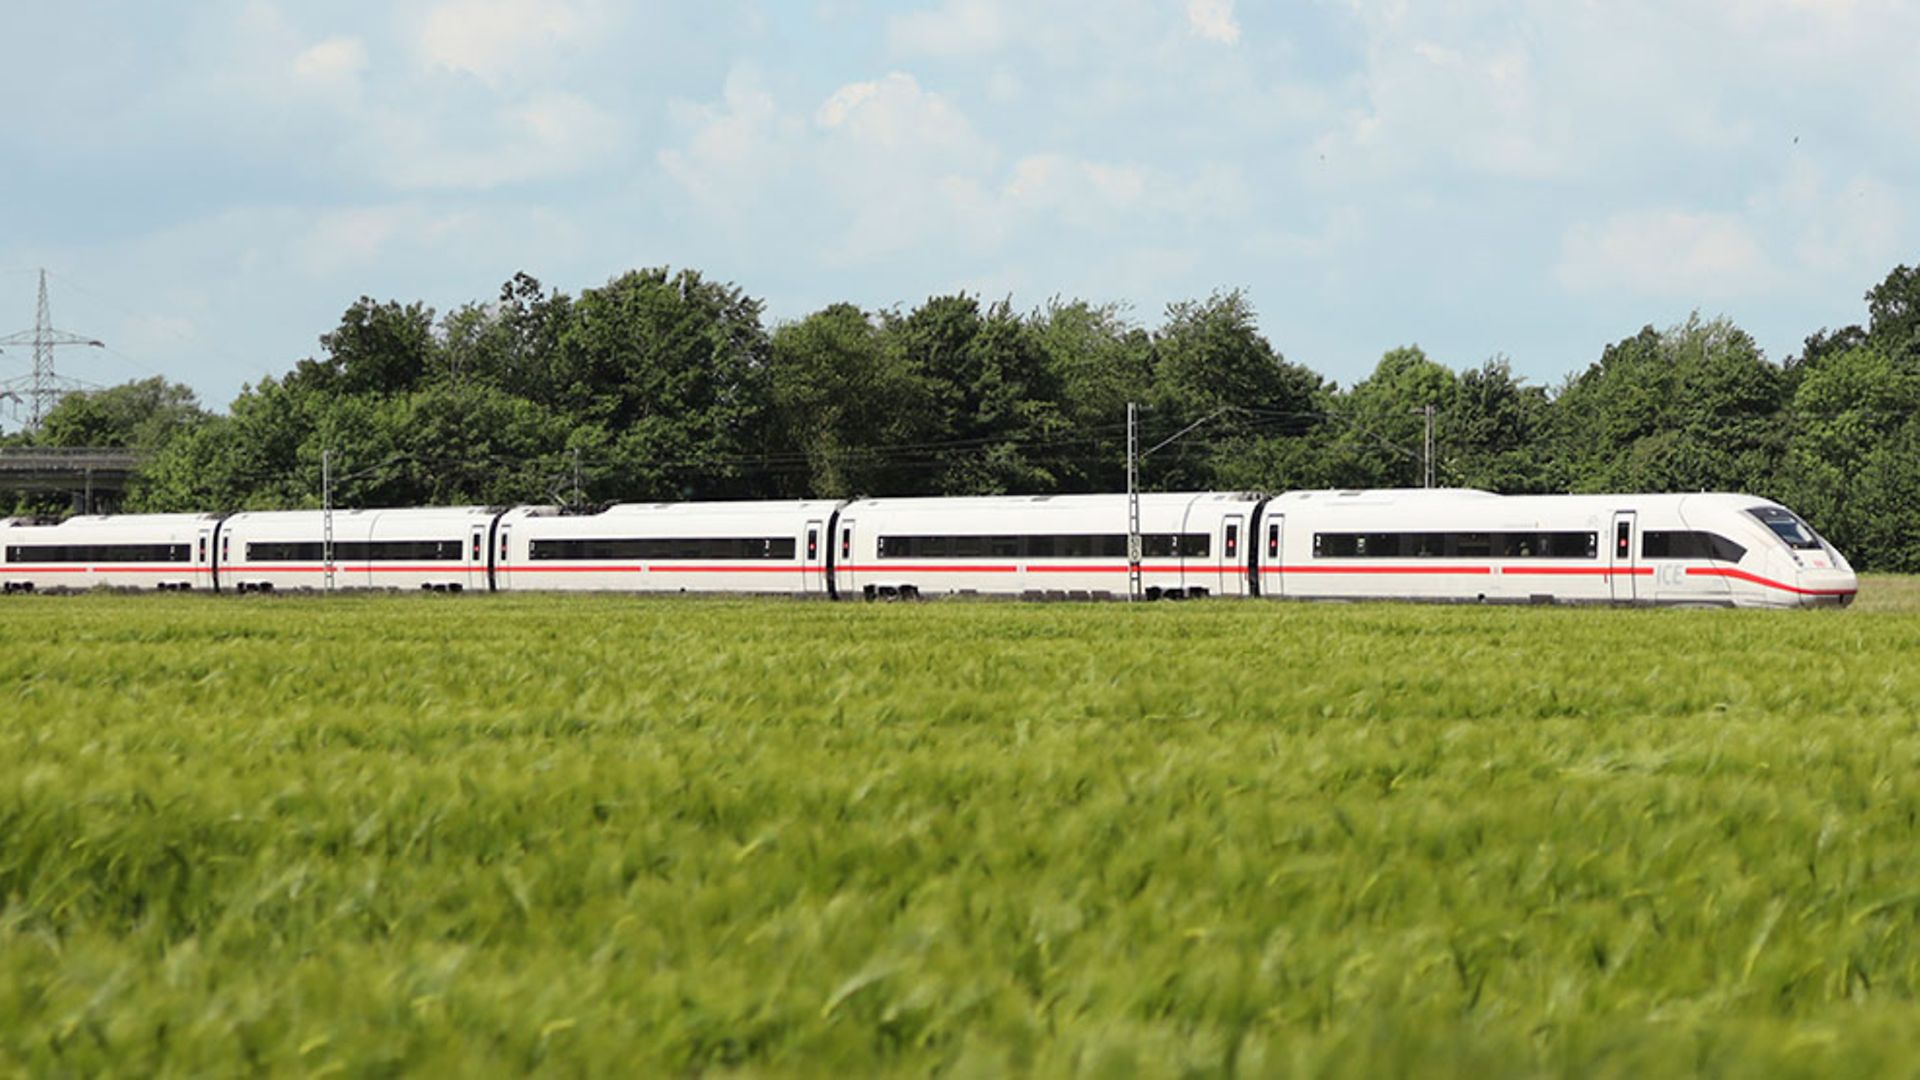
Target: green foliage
{"points": [[143, 415], [378, 348], [1380, 424], [1893, 307], [1492, 433], [1854, 463], [1693, 409], [1211, 363], [673, 369], [663, 384], [842, 394], [378, 835], [1101, 361]]}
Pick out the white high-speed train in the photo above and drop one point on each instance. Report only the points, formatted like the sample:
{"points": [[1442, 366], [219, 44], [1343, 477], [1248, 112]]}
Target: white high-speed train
{"points": [[1449, 545]]}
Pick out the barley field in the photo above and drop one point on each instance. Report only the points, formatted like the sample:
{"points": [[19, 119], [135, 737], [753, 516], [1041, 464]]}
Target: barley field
{"points": [[491, 835]]}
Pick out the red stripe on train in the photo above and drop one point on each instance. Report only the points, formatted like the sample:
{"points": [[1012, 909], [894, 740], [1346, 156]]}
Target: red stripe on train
{"points": [[1379, 570], [1742, 575], [1591, 571]]}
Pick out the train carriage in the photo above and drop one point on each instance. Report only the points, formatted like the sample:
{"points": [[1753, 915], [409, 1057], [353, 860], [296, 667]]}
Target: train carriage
{"points": [[134, 551], [744, 547], [1046, 546], [436, 548], [1705, 549]]}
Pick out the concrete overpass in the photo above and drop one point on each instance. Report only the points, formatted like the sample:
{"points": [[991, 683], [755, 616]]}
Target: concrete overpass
{"points": [[96, 477]]}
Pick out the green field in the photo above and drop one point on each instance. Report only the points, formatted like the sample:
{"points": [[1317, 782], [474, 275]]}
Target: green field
{"points": [[482, 835]]}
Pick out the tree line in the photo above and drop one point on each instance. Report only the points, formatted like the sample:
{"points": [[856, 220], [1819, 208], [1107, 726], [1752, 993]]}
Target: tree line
{"points": [[666, 385]]}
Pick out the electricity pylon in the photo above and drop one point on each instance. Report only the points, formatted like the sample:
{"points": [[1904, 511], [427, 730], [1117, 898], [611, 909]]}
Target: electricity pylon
{"points": [[45, 386]]}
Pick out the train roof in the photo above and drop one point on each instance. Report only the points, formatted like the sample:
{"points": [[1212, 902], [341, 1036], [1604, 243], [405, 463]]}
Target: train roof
{"points": [[93, 520], [993, 502], [1429, 497], [764, 506]]}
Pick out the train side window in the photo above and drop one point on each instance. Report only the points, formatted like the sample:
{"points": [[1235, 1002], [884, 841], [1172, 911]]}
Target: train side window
{"points": [[1474, 545], [1233, 540], [846, 542], [813, 544], [1699, 546], [1623, 540], [1273, 541], [203, 549]]}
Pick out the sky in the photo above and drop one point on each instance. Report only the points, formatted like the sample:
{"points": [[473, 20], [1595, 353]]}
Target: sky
{"points": [[209, 185]]}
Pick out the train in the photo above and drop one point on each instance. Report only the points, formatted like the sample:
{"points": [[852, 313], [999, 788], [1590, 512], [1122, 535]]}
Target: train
{"points": [[1461, 545]]}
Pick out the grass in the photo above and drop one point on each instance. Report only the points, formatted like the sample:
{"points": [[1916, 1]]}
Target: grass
{"points": [[489, 835]]}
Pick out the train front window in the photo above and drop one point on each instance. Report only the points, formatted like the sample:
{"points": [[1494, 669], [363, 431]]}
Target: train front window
{"points": [[1787, 526]]}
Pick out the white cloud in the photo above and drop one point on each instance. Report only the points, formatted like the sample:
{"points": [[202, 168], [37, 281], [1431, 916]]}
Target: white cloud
{"points": [[496, 40], [1213, 20], [540, 137], [735, 151], [895, 116], [902, 164], [1059, 182], [957, 28], [1672, 254], [886, 167], [342, 240], [336, 59]]}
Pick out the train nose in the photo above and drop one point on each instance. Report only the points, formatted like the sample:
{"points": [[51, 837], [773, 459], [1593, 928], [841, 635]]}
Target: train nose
{"points": [[1828, 586]]}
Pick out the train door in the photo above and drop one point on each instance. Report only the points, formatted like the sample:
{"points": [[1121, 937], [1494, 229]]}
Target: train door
{"points": [[1232, 562], [844, 568], [203, 559], [1270, 575], [502, 566], [1620, 562], [477, 559], [812, 579]]}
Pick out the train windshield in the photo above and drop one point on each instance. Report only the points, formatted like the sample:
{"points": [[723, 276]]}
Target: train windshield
{"points": [[1788, 527]]}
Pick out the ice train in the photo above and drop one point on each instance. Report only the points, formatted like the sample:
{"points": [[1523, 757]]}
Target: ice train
{"points": [[1438, 545]]}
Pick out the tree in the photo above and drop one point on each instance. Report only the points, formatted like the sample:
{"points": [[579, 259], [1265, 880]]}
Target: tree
{"points": [[1491, 432], [1691, 409], [994, 396], [1100, 362], [1379, 429], [249, 459], [843, 400], [1893, 308], [143, 415], [1853, 465], [673, 368], [378, 348], [511, 344], [1211, 359]]}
